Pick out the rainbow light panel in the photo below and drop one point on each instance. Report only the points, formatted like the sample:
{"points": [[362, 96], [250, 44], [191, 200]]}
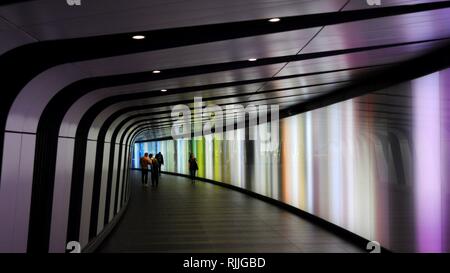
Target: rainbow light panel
{"points": [[376, 165]]}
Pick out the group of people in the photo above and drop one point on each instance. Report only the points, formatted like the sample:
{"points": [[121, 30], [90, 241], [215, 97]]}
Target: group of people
{"points": [[153, 164]]}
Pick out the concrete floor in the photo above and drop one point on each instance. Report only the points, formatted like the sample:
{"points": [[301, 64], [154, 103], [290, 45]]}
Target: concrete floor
{"points": [[203, 218]]}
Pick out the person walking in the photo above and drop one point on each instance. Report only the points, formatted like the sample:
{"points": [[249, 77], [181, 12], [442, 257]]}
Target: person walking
{"points": [[193, 167], [145, 161], [160, 159], [154, 166]]}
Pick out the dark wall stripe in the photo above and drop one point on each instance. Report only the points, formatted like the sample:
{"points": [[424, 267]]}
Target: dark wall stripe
{"points": [[11, 2], [119, 164], [109, 184], [22, 133], [125, 178], [95, 203]]}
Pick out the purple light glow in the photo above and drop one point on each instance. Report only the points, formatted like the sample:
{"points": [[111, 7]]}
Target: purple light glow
{"points": [[427, 163]]}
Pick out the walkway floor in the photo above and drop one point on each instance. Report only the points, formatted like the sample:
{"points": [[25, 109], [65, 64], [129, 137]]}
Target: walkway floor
{"points": [[181, 217]]}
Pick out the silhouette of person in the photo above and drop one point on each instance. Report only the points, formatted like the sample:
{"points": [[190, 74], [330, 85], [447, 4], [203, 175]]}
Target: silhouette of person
{"points": [[145, 161], [160, 159], [193, 167], [155, 175]]}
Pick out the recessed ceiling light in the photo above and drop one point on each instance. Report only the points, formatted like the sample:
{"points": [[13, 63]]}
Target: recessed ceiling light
{"points": [[156, 71], [163, 90], [138, 37], [274, 20], [252, 59]]}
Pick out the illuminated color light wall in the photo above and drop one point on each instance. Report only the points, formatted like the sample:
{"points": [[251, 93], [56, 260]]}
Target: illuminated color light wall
{"points": [[376, 165]]}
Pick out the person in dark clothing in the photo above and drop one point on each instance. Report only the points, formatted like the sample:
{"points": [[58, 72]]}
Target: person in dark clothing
{"points": [[160, 159], [145, 161], [154, 166], [193, 167]]}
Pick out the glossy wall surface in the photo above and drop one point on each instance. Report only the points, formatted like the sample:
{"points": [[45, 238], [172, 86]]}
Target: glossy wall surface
{"points": [[376, 165]]}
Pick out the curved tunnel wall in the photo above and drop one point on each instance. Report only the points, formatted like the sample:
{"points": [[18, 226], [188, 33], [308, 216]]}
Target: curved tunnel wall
{"points": [[64, 175], [373, 165]]}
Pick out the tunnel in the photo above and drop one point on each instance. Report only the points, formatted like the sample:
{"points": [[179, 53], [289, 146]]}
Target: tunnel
{"points": [[289, 126]]}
